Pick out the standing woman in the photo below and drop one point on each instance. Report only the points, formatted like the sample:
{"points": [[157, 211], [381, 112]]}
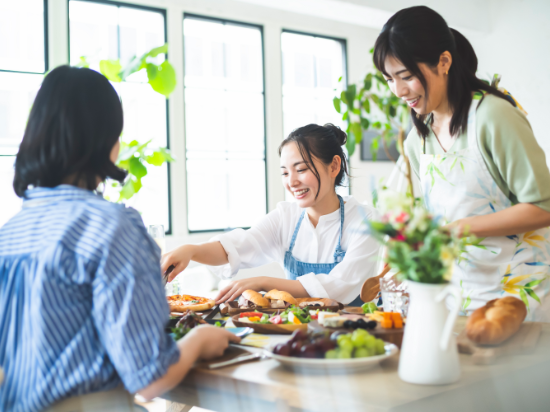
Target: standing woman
{"points": [[477, 159], [318, 240]]}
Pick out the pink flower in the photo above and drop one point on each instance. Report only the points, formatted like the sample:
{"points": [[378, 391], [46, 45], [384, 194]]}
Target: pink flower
{"points": [[402, 217], [400, 237]]}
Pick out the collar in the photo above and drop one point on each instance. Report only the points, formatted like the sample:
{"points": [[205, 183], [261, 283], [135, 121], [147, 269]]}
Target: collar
{"points": [[58, 193]]}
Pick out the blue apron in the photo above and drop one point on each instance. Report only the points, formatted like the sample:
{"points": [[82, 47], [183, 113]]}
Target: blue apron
{"points": [[295, 268]]}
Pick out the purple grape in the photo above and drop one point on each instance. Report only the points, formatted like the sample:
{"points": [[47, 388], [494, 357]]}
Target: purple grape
{"points": [[282, 349]]}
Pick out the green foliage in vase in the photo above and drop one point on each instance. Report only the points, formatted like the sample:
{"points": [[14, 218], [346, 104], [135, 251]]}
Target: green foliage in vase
{"points": [[371, 106], [418, 244]]}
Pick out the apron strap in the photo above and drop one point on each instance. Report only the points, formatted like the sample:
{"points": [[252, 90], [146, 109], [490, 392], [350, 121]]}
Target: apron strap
{"points": [[339, 253], [293, 241]]}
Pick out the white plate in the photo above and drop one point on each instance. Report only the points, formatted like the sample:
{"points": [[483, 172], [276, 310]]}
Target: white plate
{"points": [[334, 365]]}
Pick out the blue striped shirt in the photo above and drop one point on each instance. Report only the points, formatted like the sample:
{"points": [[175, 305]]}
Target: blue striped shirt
{"points": [[82, 306]]}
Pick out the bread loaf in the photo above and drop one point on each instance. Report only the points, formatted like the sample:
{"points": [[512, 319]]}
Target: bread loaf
{"points": [[256, 298], [496, 321], [275, 294]]}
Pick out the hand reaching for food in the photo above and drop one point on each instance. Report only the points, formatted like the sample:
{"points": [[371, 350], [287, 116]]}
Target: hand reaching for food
{"points": [[211, 341], [236, 288], [211, 253]]}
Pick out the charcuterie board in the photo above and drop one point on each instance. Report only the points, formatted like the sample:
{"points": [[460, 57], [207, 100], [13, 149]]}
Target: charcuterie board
{"points": [[523, 341]]}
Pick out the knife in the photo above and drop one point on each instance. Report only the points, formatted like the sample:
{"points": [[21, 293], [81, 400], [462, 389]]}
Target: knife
{"points": [[245, 358], [166, 274]]}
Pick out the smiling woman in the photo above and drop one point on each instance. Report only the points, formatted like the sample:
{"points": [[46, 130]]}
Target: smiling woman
{"points": [[317, 239], [478, 161]]}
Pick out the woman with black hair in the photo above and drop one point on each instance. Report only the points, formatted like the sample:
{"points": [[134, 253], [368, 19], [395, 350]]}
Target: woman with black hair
{"points": [[477, 159], [318, 240], [82, 302]]}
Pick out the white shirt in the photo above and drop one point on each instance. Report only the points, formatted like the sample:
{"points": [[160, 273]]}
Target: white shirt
{"points": [[268, 241]]}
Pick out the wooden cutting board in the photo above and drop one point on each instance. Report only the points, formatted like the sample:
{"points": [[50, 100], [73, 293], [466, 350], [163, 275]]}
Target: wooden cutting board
{"points": [[523, 341]]}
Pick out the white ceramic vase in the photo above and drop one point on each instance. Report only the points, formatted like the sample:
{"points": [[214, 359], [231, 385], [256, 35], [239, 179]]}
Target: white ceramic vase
{"points": [[429, 355]]}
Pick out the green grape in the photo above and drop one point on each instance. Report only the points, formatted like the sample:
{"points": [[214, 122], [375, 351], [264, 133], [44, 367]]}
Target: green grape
{"points": [[331, 354], [380, 347], [370, 341], [361, 353], [358, 339], [371, 351], [344, 354], [362, 332]]}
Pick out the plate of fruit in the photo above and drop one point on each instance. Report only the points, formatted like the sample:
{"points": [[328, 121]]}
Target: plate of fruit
{"points": [[284, 322], [333, 352]]}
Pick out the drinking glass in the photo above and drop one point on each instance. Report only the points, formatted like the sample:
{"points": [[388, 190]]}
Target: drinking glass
{"points": [[395, 297], [157, 233]]}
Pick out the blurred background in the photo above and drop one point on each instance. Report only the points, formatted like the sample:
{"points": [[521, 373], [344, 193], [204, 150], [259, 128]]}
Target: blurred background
{"points": [[203, 151]]}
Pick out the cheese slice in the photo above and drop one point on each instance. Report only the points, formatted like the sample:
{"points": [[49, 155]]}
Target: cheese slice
{"points": [[325, 315]]}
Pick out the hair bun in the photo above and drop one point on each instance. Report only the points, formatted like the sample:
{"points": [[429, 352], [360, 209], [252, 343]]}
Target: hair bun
{"points": [[338, 133]]}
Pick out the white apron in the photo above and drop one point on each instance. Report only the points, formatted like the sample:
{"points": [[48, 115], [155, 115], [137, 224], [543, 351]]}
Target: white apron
{"points": [[458, 185]]}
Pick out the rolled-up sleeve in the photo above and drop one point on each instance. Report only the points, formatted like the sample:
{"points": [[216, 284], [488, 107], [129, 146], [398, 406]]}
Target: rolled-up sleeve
{"points": [[130, 308], [344, 282], [251, 248]]}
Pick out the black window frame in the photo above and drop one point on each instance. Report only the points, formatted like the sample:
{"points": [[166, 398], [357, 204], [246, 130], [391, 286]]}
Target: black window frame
{"points": [[164, 16], [237, 23]]}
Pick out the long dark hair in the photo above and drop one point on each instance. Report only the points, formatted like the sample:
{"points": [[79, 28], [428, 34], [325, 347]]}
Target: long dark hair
{"points": [[75, 121], [322, 142], [420, 35]]}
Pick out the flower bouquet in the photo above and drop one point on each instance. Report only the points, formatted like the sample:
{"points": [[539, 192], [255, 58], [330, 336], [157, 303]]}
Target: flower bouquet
{"points": [[418, 245]]}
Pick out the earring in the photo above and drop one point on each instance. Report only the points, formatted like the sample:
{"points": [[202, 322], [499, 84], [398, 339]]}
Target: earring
{"points": [[447, 72]]}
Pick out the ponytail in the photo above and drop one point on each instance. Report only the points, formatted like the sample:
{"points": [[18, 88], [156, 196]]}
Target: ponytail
{"points": [[420, 35]]}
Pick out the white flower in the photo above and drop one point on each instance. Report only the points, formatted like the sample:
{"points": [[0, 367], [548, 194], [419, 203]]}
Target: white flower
{"points": [[391, 201], [354, 118]]}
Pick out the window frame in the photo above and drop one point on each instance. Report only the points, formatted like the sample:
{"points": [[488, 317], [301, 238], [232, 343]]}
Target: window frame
{"points": [[46, 48], [238, 23], [163, 13]]}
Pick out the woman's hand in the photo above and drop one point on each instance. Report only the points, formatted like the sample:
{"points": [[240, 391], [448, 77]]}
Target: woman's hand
{"points": [[237, 287], [179, 258], [212, 341]]}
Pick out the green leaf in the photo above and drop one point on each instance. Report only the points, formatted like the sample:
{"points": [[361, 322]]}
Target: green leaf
{"points": [[466, 303], [374, 145], [365, 123], [340, 78], [83, 62], [152, 71], [110, 69], [345, 116], [533, 283], [137, 168], [350, 95], [532, 293], [343, 97], [165, 80], [137, 185], [367, 84], [156, 159], [158, 50], [523, 297], [127, 191], [366, 105], [167, 154], [357, 131], [336, 102], [350, 144]]}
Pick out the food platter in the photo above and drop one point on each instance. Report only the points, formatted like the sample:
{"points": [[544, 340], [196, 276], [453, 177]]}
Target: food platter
{"points": [[232, 308], [269, 329], [336, 366]]}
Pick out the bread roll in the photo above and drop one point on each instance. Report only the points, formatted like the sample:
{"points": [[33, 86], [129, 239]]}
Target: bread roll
{"points": [[275, 294], [496, 321], [256, 298]]}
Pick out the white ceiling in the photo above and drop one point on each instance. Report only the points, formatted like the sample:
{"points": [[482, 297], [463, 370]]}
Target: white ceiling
{"points": [[469, 15]]}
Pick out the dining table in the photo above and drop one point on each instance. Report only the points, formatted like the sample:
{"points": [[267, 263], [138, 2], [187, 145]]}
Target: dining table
{"points": [[519, 383]]}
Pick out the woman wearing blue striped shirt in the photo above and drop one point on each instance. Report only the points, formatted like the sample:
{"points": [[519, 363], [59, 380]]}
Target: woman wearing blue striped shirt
{"points": [[82, 306]]}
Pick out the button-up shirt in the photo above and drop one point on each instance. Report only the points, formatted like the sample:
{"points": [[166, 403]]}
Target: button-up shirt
{"points": [[82, 306], [269, 239]]}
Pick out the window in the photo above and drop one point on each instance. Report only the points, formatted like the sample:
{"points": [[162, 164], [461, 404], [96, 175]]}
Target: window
{"points": [[224, 118], [312, 66], [23, 62], [111, 31]]}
